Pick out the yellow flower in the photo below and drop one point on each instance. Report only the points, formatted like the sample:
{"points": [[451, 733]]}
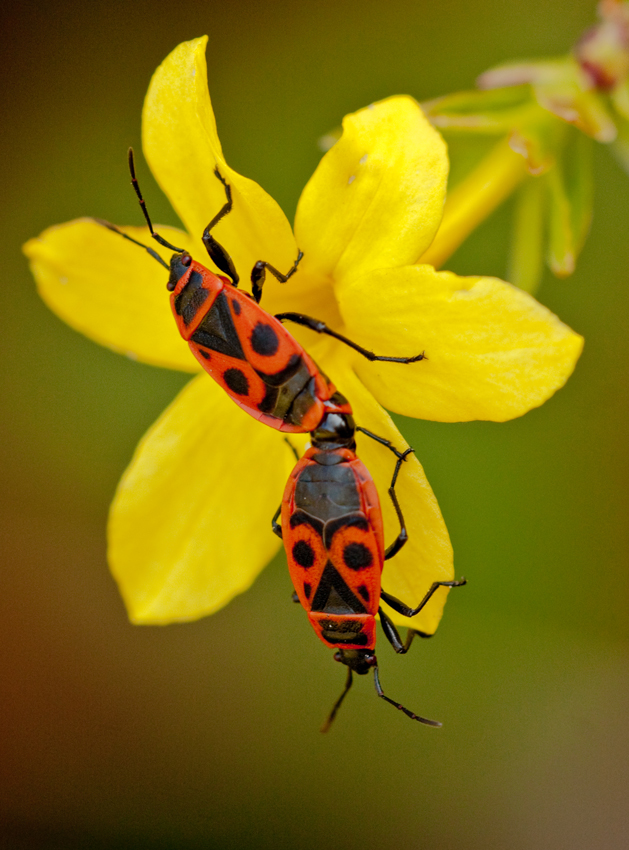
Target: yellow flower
{"points": [[190, 523]]}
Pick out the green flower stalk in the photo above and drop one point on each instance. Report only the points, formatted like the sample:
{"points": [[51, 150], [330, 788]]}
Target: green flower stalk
{"points": [[546, 114]]}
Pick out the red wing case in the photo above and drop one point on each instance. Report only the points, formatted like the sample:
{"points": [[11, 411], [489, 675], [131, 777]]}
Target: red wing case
{"points": [[332, 529], [249, 353]]}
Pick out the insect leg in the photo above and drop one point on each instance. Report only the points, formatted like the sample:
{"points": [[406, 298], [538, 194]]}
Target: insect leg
{"points": [[337, 704], [292, 448], [402, 537], [393, 636], [258, 275], [405, 610], [218, 254], [407, 712], [391, 633], [384, 442], [321, 328], [277, 528]]}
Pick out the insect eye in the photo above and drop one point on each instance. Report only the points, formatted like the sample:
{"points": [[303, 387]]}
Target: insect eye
{"points": [[186, 259]]}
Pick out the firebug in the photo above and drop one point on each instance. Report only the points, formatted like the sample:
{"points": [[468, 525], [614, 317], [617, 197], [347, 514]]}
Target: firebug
{"points": [[245, 349]]}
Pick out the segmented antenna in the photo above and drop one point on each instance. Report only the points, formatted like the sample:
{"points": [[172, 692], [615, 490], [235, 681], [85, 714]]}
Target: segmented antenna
{"points": [[338, 703], [115, 229], [136, 187]]}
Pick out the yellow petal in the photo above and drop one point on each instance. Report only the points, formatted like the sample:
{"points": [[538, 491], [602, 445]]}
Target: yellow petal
{"points": [[182, 148], [111, 290], [474, 199], [493, 351], [190, 526], [427, 556], [376, 198]]}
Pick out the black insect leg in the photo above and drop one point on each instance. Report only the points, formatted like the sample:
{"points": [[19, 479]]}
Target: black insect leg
{"points": [[217, 253], [321, 328], [338, 703], [403, 609], [407, 712], [258, 275], [393, 636], [292, 448], [402, 537], [277, 528], [384, 442]]}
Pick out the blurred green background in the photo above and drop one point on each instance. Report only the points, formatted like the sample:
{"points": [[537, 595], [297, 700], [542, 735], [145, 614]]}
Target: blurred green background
{"points": [[206, 734]]}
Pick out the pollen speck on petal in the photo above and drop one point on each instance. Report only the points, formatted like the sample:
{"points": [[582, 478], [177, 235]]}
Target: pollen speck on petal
{"points": [[393, 212]]}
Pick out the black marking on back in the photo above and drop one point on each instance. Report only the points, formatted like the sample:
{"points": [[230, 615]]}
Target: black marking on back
{"points": [[356, 520], [236, 306], [307, 590], [357, 556], [284, 375], [191, 298], [303, 554], [264, 340], [236, 381], [363, 590], [267, 405], [302, 518], [217, 332], [205, 354], [333, 596]]}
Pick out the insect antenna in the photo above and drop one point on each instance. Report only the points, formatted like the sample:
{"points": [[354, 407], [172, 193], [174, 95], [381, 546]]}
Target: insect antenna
{"points": [[136, 186], [338, 703], [407, 712], [113, 228]]}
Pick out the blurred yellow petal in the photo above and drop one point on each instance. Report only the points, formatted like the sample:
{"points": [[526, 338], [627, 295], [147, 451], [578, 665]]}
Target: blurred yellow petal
{"points": [[474, 199], [427, 556], [111, 290], [376, 198], [182, 148], [493, 351], [190, 526]]}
